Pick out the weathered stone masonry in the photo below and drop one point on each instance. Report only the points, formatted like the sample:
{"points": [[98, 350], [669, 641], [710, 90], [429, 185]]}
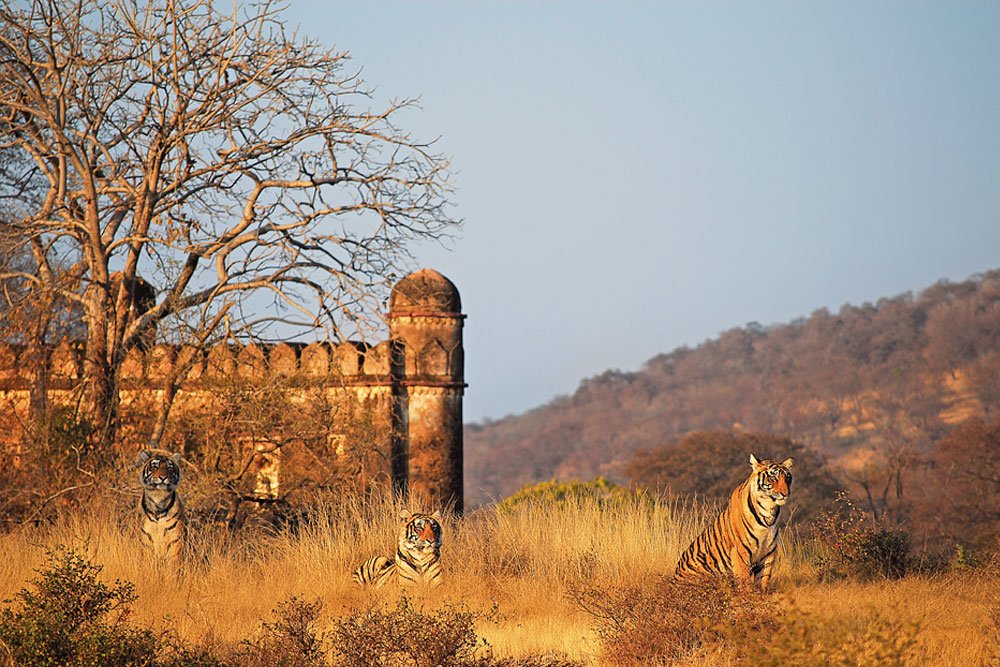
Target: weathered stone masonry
{"points": [[407, 390]]}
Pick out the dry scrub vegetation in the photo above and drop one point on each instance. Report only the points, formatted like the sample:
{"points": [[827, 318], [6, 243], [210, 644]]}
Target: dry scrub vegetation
{"points": [[577, 582]]}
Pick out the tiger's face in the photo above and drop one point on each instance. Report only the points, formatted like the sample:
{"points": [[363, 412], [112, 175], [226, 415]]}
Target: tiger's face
{"points": [[773, 481], [420, 532], [160, 469]]}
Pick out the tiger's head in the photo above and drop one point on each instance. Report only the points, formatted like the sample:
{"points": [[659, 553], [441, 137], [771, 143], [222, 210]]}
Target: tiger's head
{"points": [[772, 481], [420, 532], [161, 470]]}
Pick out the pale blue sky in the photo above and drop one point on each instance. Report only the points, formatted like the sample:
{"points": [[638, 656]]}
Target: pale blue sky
{"points": [[639, 176]]}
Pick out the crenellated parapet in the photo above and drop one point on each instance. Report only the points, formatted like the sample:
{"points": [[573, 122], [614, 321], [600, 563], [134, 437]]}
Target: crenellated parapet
{"points": [[348, 363]]}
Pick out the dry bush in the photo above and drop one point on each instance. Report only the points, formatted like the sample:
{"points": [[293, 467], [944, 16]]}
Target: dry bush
{"points": [[292, 640], [240, 437], [662, 622], [408, 636], [794, 637], [712, 463], [847, 543]]}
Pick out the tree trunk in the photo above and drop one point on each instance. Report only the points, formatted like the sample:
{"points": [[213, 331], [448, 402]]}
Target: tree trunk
{"points": [[38, 398], [100, 386], [38, 394]]}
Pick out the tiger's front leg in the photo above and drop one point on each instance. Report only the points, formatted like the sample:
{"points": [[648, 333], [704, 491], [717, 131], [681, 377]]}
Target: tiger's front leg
{"points": [[741, 568], [175, 549], [763, 571]]}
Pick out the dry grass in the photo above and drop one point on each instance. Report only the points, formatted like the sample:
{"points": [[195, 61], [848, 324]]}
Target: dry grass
{"points": [[951, 610], [524, 564]]}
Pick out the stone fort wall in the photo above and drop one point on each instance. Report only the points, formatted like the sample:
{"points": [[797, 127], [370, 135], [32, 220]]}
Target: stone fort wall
{"points": [[369, 414]]}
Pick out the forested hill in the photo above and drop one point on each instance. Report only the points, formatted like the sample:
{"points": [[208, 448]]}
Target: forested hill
{"points": [[898, 372]]}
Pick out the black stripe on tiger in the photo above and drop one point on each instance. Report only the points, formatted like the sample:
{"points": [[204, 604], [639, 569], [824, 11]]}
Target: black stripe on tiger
{"points": [[418, 554], [743, 540]]}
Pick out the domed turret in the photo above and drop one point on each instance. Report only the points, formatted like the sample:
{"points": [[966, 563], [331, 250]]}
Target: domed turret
{"points": [[423, 293]]}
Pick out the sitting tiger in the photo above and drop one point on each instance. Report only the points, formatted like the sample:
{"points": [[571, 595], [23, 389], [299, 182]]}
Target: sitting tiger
{"points": [[161, 505], [743, 540], [418, 555]]}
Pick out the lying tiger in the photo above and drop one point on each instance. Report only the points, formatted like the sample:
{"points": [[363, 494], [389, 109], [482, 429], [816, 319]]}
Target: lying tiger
{"points": [[743, 540], [418, 554], [161, 506]]}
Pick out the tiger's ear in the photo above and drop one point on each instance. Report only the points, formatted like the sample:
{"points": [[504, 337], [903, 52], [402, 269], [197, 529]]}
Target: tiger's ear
{"points": [[754, 463], [405, 515], [177, 458], [437, 515], [141, 458], [788, 462]]}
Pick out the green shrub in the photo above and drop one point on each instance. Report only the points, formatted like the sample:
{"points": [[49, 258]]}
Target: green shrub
{"points": [[406, 636], [846, 543], [962, 559], [598, 490], [72, 619]]}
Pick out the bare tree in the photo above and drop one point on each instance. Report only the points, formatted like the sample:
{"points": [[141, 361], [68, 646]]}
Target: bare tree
{"points": [[231, 162]]}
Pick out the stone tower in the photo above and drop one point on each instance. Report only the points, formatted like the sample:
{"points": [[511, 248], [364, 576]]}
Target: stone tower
{"points": [[428, 373]]}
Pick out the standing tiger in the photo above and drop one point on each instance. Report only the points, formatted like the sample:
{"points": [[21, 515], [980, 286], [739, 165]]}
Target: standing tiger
{"points": [[418, 555], [161, 506], [743, 540]]}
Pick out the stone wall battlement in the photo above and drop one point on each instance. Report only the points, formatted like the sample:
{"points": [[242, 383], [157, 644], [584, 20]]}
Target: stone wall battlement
{"points": [[350, 363]]}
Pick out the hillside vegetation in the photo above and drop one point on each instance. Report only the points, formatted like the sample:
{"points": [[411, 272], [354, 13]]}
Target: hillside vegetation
{"points": [[868, 387]]}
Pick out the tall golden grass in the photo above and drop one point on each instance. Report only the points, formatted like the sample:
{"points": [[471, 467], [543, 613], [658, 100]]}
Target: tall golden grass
{"points": [[522, 563]]}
